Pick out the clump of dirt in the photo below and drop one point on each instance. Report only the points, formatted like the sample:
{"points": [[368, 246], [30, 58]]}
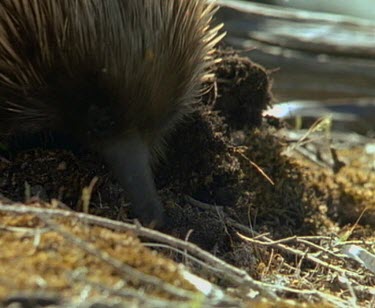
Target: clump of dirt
{"points": [[242, 90], [348, 195]]}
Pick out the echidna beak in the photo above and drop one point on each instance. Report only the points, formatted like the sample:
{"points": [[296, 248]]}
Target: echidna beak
{"points": [[129, 159]]}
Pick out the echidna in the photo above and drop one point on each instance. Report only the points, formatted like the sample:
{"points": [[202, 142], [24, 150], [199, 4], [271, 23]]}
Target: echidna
{"points": [[115, 74]]}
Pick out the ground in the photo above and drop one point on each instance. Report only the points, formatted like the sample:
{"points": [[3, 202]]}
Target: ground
{"points": [[231, 183]]}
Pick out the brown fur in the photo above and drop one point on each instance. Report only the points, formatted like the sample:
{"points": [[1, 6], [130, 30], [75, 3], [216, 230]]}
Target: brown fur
{"points": [[102, 70]]}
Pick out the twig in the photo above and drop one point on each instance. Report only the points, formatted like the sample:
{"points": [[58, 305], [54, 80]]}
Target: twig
{"points": [[129, 292], [28, 231], [32, 300], [203, 205], [260, 170], [196, 260], [323, 296]]}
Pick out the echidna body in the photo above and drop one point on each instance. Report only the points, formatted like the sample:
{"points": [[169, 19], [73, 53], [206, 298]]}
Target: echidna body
{"points": [[115, 74]]}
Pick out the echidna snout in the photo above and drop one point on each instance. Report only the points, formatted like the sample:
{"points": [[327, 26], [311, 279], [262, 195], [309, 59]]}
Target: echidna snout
{"points": [[117, 75], [130, 161]]}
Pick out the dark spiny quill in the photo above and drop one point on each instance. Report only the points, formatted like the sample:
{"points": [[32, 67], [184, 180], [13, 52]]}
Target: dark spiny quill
{"points": [[117, 75]]}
